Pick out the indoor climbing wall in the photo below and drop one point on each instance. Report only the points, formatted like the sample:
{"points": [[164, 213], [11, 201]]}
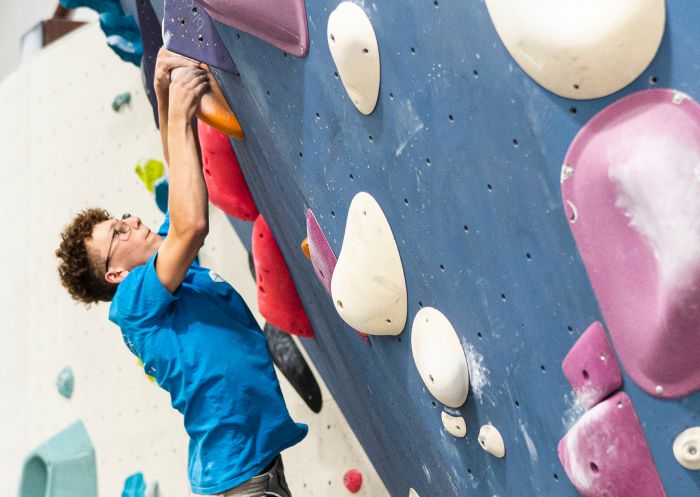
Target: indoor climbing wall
{"points": [[473, 245], [66, 367]]}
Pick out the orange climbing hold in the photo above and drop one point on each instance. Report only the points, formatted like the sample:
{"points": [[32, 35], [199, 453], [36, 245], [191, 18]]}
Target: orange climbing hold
{"points": [[305, 248], [215, 111], [278, 300], [225, 181]]}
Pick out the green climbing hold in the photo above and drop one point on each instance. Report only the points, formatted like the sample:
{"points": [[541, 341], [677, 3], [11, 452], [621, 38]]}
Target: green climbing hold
{"points": [[121, 100], [66, 382], [150, 172]]}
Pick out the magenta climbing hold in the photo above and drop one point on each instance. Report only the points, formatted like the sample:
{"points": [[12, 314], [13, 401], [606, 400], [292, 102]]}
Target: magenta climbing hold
{"points": [[278, 300], [630, 189], [323, 259], [352, 480], [606, 454], [281, 23], [222, 173], [591, 367]]}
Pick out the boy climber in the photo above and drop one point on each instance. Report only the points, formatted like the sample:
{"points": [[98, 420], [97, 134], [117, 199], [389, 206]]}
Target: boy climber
{"points": [[191, 329]]}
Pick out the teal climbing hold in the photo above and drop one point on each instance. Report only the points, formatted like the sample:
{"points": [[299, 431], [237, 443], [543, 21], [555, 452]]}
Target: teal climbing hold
{"points": [[123, 36], [162, 189], [66, 382], [121, 100], [136, 486], [63, 466]]}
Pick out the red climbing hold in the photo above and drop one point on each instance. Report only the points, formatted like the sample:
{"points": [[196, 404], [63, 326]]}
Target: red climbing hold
{"points": [[278, 300], [353, 480], [225, 182]]}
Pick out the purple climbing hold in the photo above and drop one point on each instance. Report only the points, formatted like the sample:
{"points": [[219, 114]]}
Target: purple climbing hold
{"points": [[189, 31], [152, 41], [591, 367], [281, 23], [605, 453]]}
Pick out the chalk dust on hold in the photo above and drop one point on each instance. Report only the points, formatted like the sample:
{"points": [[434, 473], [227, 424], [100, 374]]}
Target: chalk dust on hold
{"points": [[478, 373], [659, 190]]}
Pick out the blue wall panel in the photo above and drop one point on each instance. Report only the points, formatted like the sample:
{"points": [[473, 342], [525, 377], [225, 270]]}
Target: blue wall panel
{"points": [[463, 153]]}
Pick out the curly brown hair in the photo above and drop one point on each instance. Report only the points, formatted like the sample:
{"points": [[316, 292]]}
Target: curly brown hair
{"points": [[82, 273]]}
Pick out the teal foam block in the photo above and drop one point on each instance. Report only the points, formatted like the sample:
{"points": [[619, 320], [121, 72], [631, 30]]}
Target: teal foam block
{"points": [[63, 466]]}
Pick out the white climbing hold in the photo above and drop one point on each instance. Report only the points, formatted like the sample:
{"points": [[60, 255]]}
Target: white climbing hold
{"points": [[368, 285], [455, 425], [686, 448], [354, 49], [491, 441], [412, 493], [578, 49], [439, 357]]}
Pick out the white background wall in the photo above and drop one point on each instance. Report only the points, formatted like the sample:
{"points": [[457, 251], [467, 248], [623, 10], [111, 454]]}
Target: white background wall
{"points": [[18, 16], [62, 149]]}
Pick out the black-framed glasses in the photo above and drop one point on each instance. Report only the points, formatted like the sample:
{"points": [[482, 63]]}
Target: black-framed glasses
{"points": [[121, 230]]}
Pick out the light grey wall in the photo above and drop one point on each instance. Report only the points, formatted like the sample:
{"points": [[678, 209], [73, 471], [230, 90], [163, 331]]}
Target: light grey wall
{"points": [[18, 17]]}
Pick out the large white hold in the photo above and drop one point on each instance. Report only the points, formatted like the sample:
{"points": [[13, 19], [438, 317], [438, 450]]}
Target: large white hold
{"points": [[368, 285], [439, 357], [354, 49], [580, 49]]}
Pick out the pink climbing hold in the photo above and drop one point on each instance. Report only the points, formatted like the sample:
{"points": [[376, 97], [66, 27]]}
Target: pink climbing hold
{"points": [[323, 259], [591, 367], [630, 191], [225, 181], [353, 480], [281, 23], [606, 454], [278, 300]]}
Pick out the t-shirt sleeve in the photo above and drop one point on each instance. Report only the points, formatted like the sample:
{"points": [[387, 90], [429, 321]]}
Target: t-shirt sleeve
{"points": [[165, 227], [141, 300]]}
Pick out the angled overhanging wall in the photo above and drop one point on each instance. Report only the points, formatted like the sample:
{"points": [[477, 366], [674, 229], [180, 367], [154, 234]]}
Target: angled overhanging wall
{"points": [[463, 151]]}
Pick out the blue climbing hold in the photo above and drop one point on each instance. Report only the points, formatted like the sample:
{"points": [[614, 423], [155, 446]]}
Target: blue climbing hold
{"points": [[134, 486], [123, 36]]}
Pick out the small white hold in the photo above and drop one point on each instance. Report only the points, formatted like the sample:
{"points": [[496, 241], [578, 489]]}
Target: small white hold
{"points": [[439, 357], [659, 389], [678, 97], [455, 425], [686, 448], [412, 493], [566, 172], [491, 441]]}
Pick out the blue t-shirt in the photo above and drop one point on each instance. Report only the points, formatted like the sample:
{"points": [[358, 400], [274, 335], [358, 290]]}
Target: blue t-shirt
{"points": [[203, 345]]}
